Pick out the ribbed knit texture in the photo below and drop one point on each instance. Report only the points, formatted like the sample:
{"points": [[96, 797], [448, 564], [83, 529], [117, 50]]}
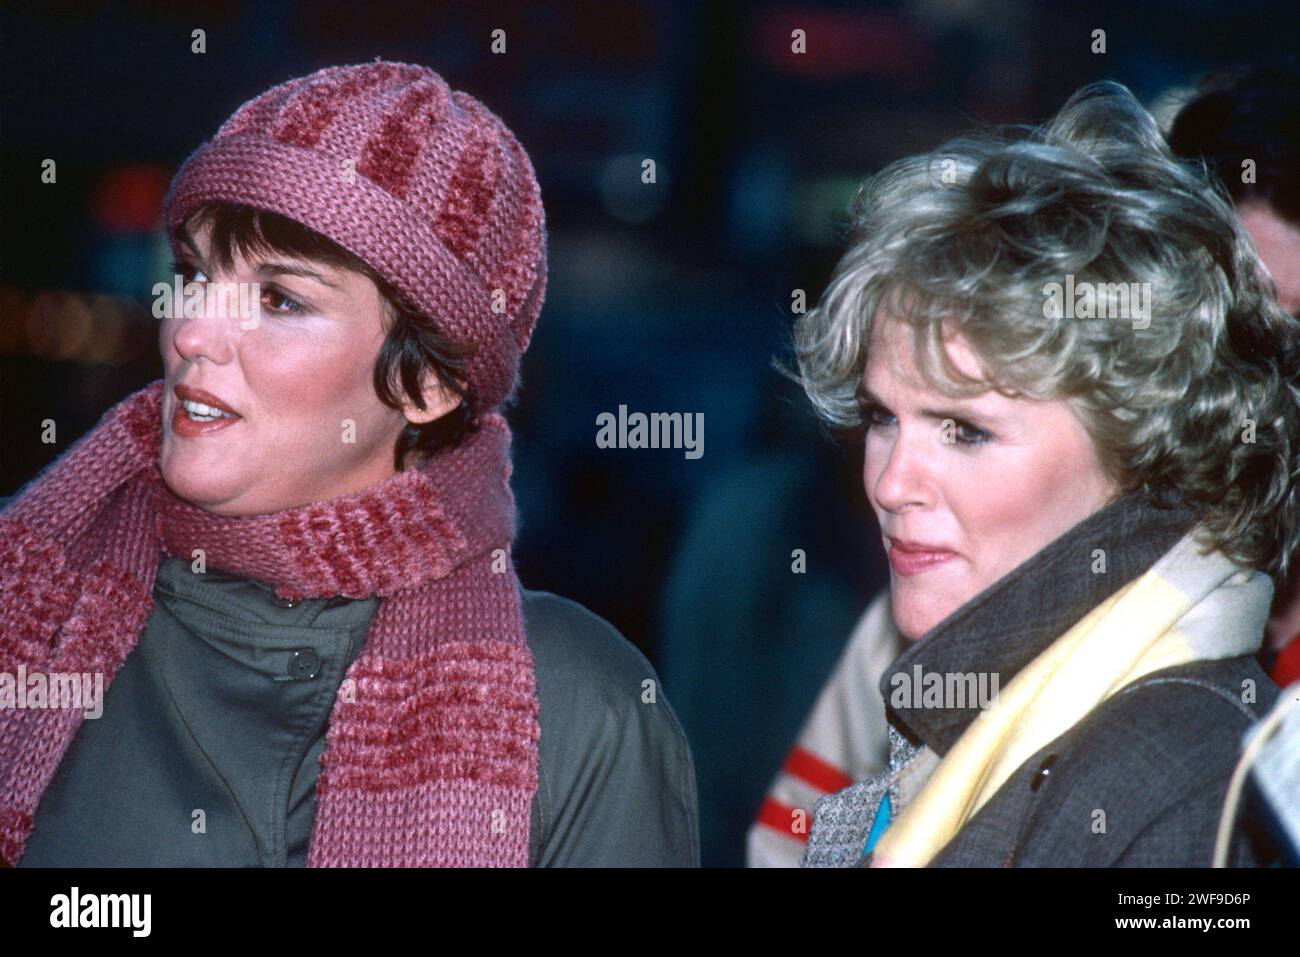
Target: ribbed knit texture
{"points": [[423, 183], [433, 761]]}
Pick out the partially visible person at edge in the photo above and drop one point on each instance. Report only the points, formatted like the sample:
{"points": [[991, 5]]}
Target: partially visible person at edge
{"points": [[1244, 123], [290, 557], [1079, 403]]}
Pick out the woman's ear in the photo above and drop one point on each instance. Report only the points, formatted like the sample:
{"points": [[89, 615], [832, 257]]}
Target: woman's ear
{"points": [[438, 401]]}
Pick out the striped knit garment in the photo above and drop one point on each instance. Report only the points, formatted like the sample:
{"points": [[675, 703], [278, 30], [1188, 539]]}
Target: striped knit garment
{"points": [[431, 752]]}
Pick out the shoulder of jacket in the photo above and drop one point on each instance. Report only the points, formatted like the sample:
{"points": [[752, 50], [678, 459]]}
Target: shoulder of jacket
{"points": [[1134, 775], [1235, 690], [587, 672], [1175, 717], [609, 737], [569, 639], [1166, 737]]}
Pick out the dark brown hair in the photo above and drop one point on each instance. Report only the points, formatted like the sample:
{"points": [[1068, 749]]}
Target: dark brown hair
{"points": [[413, 346], [1241, 112]]}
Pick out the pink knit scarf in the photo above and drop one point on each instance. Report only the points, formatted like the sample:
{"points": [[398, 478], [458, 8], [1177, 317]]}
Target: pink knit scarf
{"points": [[431, 753]]}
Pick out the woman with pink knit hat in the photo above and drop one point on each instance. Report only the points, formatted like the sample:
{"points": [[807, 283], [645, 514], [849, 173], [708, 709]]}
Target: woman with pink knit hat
{"points": [[287, 562]]}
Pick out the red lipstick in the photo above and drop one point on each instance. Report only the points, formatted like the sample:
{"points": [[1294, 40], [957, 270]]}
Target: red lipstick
{"points": [[185, 426]]}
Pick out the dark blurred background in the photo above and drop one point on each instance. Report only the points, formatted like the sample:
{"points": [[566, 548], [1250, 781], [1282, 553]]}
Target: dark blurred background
{"points": [[672, 297]]}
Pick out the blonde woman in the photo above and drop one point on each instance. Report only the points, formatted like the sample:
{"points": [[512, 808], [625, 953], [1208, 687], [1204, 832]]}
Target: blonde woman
{"points": [[1081, 431]]}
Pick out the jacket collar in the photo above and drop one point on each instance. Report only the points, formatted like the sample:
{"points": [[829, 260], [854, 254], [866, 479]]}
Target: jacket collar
{"points": [[1006, 626]]}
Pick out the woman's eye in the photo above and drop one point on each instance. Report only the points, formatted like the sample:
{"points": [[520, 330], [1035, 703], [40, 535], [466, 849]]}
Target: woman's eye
{"points": [[874, 416], [188, 271], [967, 434], [272, 298], [287, 306], [955, 431]]}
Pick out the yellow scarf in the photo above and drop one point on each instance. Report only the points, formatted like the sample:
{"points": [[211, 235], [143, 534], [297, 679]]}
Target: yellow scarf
{"points": [[1187, 607]]}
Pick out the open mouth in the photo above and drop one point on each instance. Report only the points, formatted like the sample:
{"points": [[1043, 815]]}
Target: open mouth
{"points": [[198, 412]]}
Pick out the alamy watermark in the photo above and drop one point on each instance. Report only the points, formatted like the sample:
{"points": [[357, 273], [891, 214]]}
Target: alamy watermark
{"points": [[943, 689], [1098, 300], [189, 300], [55, 689], [656, 430], [75, 909]]}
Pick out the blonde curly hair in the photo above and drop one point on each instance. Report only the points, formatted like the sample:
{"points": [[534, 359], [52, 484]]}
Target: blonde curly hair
{"points": [[1199, 401]]}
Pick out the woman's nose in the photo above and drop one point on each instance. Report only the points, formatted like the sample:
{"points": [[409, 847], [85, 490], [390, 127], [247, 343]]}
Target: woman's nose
{"points": [[208, 328], [904, 480]]}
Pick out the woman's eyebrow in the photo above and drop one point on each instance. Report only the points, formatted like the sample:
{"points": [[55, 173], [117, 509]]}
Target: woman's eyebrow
{"points": [[266, 268], [293, 269], [938, 415]]}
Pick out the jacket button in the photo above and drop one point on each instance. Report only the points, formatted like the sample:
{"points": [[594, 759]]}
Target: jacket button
{"points": [[1043, 773], [304, 663]]}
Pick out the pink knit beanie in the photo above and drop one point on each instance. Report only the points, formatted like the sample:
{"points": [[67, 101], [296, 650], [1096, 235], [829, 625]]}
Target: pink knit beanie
{"points": [[423, 183]]}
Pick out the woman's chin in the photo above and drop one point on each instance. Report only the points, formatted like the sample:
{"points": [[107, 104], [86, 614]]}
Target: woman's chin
{"points": [[911, 627], [198, 486], [914, 616]]}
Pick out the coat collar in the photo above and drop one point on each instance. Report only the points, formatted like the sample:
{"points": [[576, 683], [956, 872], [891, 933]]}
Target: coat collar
{"points": [[1002, 629]]}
